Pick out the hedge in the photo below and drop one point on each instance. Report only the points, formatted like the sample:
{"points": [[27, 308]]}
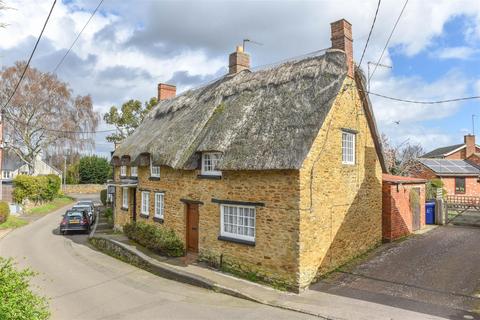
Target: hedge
{"points": [[160, 239], [36, 188], [4, 211], [17, 301], [94, 170]]}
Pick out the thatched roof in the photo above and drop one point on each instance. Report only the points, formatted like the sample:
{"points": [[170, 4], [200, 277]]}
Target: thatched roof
{"points": [[259, 120]]}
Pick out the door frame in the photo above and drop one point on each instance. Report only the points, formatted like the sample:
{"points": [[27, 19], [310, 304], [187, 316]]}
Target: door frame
{"points": [[187, 224], [134, 204]]}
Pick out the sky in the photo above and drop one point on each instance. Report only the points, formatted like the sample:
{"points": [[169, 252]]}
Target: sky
{"points": [[131, 46]]}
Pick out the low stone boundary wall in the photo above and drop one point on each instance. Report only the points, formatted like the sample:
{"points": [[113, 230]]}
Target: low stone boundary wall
{"points": [[83, 188]]}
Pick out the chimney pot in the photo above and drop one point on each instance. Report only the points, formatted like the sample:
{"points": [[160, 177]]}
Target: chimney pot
{"points": [[166, 91], [470, 149], [342, 40], [238, 61]]}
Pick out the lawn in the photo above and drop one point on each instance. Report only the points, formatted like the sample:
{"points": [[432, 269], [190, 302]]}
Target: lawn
{"points": [[13, 222], [51, 206]]}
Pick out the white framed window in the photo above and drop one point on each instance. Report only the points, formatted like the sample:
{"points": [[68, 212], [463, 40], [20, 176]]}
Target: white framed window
{"points": [[145, 202], [237, 222], [123, 171], [348, 147], [210, 161], [159, 203], [125, 198], [154, 170], [134, 171]]}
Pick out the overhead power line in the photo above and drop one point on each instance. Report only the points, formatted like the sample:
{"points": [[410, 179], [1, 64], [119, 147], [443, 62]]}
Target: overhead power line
{"points": [[31, 56], [389, 37], [370, 33], [423, 102], [78, 36], [61, 131]]}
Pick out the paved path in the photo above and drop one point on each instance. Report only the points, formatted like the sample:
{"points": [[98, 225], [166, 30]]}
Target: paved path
{"points": [[85, 284], [435, 273]]}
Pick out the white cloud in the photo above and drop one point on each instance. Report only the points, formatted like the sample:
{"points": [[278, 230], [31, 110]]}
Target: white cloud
{"points": [[156, 39], [462, 52]]}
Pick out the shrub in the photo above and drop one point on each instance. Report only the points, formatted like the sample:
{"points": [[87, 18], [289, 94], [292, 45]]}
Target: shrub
{"points": [[4, 211], [94, 169], [16, 300], [103, 196], [432, 186], [39, 188], [108, 213], [157, 238]]}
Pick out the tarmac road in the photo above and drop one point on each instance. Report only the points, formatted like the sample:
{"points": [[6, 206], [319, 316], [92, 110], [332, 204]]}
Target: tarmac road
{"points": [[85, 284]]}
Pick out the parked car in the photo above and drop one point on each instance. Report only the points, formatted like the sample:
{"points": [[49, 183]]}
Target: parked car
{"points": [[75, 220], [88, 208], [89, 202]]}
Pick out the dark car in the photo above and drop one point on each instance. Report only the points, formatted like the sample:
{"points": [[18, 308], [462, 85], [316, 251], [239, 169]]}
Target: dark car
{"points": [[75, 220]]}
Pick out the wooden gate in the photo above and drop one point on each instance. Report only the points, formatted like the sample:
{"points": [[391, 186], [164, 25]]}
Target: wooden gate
{"points": [[463, 210]]}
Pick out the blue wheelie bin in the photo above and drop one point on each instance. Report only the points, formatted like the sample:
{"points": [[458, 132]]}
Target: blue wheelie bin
{"points": [[430, 212]]}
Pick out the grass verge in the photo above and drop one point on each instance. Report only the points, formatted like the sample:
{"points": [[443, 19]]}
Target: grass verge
{"points": [[13, 222], [51, 206]]}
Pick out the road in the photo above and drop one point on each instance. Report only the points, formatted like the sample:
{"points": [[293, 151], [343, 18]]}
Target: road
{"points": [[85, 284], [434, 273]]}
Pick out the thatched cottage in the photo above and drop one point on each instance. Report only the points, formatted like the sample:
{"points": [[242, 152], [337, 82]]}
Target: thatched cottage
{"points": [[276, 172]]}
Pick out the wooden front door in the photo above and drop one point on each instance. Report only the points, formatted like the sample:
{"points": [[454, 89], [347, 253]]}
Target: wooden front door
{"points": [[192, 227], [415, 206]]}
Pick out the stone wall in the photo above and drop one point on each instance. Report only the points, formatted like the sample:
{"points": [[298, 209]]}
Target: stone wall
{"points": [[83, 188], [397, 216], [274, 255], [340, 204]]}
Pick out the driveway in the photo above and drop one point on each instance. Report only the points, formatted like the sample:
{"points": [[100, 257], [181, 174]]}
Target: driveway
{"points": [[437, 273], [85, 284]]}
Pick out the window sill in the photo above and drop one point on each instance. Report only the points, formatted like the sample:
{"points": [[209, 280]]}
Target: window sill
{"points": [[123, 209], [245, 242], [154, 178], [142, 215], [211, 177], [159, 220]]}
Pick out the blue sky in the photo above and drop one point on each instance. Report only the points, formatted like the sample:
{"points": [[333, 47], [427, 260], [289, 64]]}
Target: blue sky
{"points": [[130, 46]]}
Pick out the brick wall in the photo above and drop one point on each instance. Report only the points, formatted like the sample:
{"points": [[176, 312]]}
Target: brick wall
{"points": [[472, 187], [397, 215]]}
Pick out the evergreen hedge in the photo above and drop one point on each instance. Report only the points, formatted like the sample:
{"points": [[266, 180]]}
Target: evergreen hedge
{"points": [[157, 238], [94, 169]]}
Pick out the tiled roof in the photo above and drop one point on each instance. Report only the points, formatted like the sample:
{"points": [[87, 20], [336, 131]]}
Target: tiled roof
{"points": [[440, 152]]}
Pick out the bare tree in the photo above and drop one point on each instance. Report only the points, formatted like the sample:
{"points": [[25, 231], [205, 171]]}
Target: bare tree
{"points": [[401, 159], [44, 115]]}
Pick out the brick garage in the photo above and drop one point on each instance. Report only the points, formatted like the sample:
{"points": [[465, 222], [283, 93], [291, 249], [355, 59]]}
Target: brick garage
{"points": [[403, 200]]}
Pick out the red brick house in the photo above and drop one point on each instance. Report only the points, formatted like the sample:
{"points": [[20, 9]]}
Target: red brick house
{"points": [[458, 166], [403, 206]]}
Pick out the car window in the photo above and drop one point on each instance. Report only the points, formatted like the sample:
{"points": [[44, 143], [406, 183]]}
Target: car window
{"points": [[74, 214], [82, 207]]}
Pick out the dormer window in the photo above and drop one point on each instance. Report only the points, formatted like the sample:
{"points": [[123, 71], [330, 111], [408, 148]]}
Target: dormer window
{"points": [[210, 162], [154, 170], [134, 171], [123, 171]]}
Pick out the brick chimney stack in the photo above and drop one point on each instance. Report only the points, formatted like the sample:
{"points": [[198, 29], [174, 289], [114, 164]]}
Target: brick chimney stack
{"points": [[238, 61], [166, 91], [470, 145], [342, 39]]}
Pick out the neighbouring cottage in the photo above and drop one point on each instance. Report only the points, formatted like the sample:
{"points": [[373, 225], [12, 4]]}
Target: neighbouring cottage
{"points": [[12, 166], [276, 172], [458, 166], [403, 206]]}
